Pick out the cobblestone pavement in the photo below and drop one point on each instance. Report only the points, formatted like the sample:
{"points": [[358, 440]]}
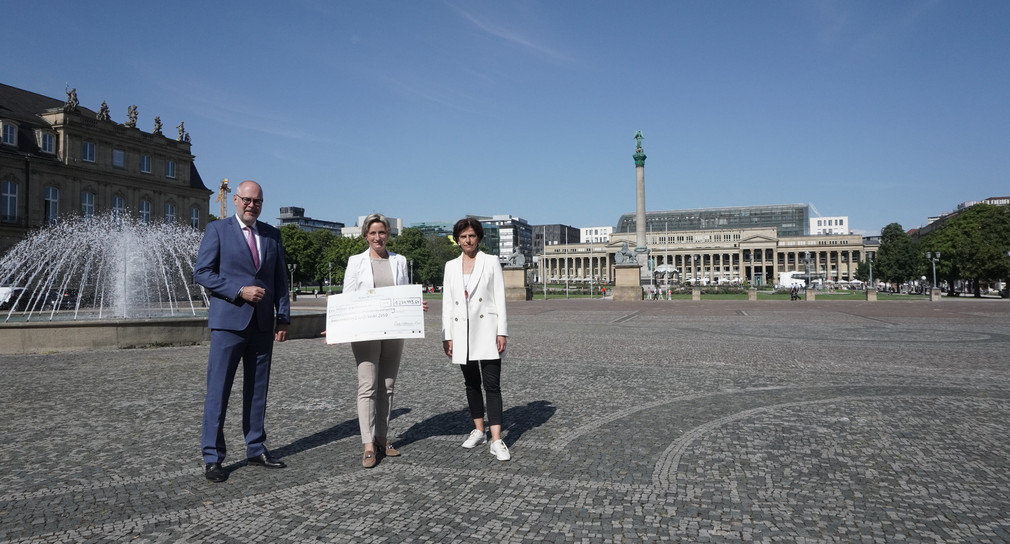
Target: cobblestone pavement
{"points": [[628, 422]]}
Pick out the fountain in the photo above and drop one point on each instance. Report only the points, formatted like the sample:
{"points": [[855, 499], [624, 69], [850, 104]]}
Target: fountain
{"points": [[108, 282], [105, 267]]}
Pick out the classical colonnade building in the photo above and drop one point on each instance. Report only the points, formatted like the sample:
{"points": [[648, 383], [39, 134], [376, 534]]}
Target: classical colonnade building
{"points": [[756, 256]]}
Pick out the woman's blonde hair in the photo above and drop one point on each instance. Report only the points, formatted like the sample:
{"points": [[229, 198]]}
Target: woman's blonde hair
{"points": [[372, 219]]}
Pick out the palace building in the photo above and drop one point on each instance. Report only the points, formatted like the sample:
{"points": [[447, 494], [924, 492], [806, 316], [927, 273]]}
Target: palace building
{"points": [[713, 256], [59, 159]]}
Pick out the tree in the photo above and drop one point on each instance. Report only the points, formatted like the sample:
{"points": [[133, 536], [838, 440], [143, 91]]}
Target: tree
{"points": [[896, 260], [339, 251], [863, 272], [295, 242], [973, 245], [442, 250], [412, 244]]}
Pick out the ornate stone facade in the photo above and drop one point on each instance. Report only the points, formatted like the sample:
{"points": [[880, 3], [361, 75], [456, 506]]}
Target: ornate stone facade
{"points": [[64, 159], [708, 257]]}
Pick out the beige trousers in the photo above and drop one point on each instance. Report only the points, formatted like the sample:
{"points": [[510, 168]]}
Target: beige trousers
{"points": [[378, 362]]}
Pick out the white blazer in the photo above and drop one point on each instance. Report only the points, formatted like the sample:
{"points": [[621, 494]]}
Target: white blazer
{"points": [[474, 322], [358, 275]]}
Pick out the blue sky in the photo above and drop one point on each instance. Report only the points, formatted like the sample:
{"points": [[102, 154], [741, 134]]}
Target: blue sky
{"points": [[430, 110]]}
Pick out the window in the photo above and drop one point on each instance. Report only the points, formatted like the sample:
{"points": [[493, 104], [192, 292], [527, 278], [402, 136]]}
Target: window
{"points": [[87, 204], [145, 211], [194, 218], [88, 151], [48, 142], [118, 158], [52, 204], [145, 164], [10, 133], [169, 169], [170, 213], [9, 204], [118, 206]]}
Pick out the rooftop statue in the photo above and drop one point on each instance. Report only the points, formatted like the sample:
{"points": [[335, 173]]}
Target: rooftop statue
{"points": [[103, 112], [131, 116], [72, 101]]}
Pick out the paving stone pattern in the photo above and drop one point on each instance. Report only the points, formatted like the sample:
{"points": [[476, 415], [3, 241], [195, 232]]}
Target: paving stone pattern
{"points": [[683, 421]]}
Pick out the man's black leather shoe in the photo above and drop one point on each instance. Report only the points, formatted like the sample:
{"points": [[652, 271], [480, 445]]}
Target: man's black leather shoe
{"points": [[264, 460], [215, 472]]}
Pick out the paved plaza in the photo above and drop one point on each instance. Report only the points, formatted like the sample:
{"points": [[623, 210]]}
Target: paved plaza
{"points": [[706, 421]]}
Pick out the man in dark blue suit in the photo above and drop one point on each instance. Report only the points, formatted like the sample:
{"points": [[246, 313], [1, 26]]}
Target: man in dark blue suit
{"points": [[241, 263]]}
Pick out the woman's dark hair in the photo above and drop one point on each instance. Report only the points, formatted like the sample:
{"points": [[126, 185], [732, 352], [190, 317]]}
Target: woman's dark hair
{"points": [[465, 223]]}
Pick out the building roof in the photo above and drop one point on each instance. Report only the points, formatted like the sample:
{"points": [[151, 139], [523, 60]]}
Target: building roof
{"points": [[26, 108]]}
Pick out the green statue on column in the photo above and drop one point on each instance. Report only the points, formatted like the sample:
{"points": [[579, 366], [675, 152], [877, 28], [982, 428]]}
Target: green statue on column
{"points": [[639, 155]]}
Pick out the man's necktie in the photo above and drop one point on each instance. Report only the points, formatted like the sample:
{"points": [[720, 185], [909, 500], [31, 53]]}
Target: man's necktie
{"points": [[252, 246]]}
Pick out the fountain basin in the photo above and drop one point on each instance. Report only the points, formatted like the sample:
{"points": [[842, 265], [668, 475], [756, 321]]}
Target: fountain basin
{"points": [[56, 336]]}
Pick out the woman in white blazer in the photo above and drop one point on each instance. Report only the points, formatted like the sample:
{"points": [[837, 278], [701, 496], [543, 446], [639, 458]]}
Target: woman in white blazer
{"points": [[475, 330], [378, 360]]}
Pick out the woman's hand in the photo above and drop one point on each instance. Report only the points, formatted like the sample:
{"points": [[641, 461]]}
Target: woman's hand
{"points": [[424, 305], [447, 347], [501, 343]]}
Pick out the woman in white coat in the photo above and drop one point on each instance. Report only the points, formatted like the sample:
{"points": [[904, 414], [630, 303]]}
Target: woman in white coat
{"points": [[475, 330], [378, 360]]}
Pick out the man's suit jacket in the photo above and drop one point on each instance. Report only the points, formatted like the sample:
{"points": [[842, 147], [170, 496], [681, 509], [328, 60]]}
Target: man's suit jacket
{"points": [[358, 275], [224, 265], [474, 323]]}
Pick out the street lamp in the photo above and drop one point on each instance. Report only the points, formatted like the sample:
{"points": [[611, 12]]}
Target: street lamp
{"points": [[329, 278], [411, 263], [932, 259], [291, 268]]}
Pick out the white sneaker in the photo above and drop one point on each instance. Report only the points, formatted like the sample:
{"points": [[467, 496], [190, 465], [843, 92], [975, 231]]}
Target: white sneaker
{"points": [[500, 450], [476, 438]]}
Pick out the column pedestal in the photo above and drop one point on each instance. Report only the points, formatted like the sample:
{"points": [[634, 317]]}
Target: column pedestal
{"points": [[752, 294], [516, 288], [627, 282], [811, 294], [871, 295], [934, 294]]}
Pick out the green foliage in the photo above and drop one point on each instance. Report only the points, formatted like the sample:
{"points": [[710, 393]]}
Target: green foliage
{"points": [[863, 272], [973, 244], [412, 244], [897, 259], [442, 251], [295, 242]]}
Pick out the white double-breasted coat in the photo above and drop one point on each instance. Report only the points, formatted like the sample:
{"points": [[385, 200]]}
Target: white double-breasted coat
{"points": [[473, 313]]}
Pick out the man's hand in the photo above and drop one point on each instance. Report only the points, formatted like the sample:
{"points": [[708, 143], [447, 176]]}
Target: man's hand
{"points": [[253, 294], [282, 332]]}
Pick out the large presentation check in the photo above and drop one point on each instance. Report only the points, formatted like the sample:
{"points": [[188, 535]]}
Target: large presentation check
{"points": [[375, 314]]}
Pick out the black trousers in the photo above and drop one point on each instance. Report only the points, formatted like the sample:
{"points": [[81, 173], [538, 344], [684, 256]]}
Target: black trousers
{"points": [[488, 374]]}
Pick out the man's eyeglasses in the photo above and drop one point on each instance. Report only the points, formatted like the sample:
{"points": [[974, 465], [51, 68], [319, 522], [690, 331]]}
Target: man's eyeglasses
{"points": [[248, 201]]}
